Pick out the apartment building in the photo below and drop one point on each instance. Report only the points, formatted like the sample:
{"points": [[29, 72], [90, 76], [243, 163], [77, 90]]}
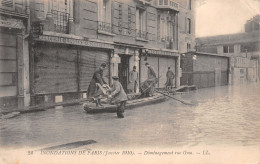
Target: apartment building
{"points": [[69, 39]]}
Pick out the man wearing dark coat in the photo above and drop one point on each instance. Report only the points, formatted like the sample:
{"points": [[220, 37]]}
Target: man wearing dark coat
{"points": [[118, 96], [97, 78], [151, 78], [170, 76]]}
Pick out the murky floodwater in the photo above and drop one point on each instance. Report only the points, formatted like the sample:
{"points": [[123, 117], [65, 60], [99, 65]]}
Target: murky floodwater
{"points": [[223, 115]]}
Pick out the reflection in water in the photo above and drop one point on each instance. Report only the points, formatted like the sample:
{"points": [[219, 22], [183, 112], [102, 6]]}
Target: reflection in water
{"points": [[224, 115]]}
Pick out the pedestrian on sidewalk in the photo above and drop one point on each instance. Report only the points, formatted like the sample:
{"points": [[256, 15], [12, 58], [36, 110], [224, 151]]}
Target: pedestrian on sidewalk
{"points": [[133, 81], [97, 78], [118, 96]]}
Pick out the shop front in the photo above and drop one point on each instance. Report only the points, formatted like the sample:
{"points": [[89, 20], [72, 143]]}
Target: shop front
{"points": [[125, 57], [13, 63], [63, 67], [160, 61]]}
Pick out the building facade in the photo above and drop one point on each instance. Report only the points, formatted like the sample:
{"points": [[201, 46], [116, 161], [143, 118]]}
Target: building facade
{"points": [[242, 48], [69, 39], [204, 69], [14, 53]]}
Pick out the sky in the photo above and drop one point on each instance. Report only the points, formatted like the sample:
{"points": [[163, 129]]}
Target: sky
{"points": [[219, 17]]}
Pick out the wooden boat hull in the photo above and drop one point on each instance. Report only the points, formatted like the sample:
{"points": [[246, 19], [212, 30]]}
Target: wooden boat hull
{"points": [[107, 108]]}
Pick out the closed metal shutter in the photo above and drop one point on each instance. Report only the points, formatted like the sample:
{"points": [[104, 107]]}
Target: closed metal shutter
{"points": [[164, 63], [224, 77], [153, 61], [160, 66], [8, 65], [90, 61], [55, 69], [204, 79]]}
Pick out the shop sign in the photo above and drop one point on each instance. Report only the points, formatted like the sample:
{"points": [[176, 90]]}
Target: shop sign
{"points": [[63, 40], [161, 52], [11, 23]]}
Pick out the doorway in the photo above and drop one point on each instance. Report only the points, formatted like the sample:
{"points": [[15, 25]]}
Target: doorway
{"points": [[123, 70]]}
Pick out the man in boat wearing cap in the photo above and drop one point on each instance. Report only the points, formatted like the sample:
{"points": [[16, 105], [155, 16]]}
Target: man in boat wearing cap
{"points": [[133, 81], [97, 78], [118, 96], [151, 79]]}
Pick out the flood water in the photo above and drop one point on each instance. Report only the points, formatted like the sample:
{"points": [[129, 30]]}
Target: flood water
{"points": [[228, 115]]}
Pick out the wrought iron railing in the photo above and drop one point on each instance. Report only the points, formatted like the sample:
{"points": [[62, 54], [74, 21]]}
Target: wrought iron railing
{"points": [[61, 21], [142, 34], [165, 38], [168, 4], [103, 26]]}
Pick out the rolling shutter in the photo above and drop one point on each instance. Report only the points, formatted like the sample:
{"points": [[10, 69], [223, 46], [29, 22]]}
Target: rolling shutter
{"points": [[8, 65], [55, 69], [164, 63], [153, 61], [90, 61]]}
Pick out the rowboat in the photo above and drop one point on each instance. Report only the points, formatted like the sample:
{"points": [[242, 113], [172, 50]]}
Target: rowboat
{"points": [[130, 104]]}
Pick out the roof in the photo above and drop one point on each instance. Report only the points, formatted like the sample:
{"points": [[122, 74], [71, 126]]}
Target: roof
{"points": [[209, 54]]}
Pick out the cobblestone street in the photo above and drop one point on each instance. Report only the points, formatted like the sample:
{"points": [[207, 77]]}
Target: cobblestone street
{"points": [[223, 116]]}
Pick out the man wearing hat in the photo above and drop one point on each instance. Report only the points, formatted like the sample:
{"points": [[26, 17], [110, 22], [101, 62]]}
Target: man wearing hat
{"points": [[151, 78], [97, 78], [170, 76], [118, 96], [133, 80]]}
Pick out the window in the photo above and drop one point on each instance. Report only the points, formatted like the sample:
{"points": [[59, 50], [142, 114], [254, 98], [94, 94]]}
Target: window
{"points": [[188, 47], [104, 11], [140, 19], [60, 15], [166, 26], [189, 4], [188, 26], [228, 48]]}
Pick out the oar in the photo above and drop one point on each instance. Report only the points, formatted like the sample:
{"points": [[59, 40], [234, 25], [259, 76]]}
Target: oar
{"points": [[186, 103]]}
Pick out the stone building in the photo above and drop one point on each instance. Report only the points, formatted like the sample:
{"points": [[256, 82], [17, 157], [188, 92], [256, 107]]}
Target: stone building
{"points": [[14, 53], [69, 40], [242, 48]]}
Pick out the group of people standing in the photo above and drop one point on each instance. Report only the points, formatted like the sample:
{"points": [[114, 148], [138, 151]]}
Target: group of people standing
{"points": [[116, 92]]}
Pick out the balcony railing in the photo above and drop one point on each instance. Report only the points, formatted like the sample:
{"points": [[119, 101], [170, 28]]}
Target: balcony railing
{"points": [[61, 21], [168, 4], [141, 34], [165, 38], [7, 4], [103, 26]]}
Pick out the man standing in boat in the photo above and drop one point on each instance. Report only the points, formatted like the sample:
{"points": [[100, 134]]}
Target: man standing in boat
{"points": [[118, 96], [151, 78], [97, 78], [133, 81]]}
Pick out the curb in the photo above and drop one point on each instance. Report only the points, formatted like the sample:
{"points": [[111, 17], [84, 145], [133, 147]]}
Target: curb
{"points": [[44, 107]]}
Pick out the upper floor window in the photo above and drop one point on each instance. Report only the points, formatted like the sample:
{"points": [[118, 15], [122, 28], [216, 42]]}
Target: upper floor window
{"points": [[188, 47], [140, 19], [104, 11], [188, 26], [189, 1], [228, 48], [166, 25]]}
